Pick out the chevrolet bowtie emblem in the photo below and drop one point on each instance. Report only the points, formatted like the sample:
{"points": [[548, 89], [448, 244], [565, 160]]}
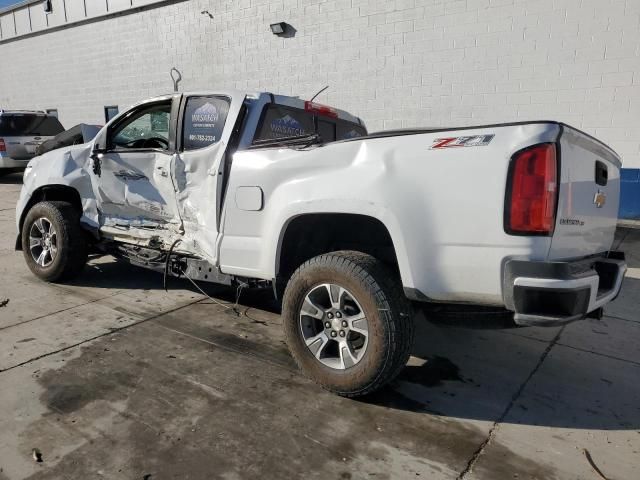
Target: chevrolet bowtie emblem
{"points": [[600, 199]]}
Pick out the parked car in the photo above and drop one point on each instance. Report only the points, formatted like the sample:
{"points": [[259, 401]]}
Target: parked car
{"points": [[21, 132], [353, 231]]}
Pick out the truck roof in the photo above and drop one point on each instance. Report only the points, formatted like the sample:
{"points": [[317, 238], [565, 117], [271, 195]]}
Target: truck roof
{"points": [[267, 97]]}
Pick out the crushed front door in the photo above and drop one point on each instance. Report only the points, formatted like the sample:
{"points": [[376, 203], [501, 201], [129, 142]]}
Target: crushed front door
{"points": [[135, 190]]}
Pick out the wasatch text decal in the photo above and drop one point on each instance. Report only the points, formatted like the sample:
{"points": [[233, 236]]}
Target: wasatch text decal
{"points": [[470, 141], [287, 126], [205, 116]]}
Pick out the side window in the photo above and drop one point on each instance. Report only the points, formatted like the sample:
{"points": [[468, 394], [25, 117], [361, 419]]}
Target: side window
{"points": [[204, 119], [281, 122], [146, 128]]}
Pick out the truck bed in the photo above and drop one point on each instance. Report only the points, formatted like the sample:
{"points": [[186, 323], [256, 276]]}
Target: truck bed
{"points": [[418, 131]]}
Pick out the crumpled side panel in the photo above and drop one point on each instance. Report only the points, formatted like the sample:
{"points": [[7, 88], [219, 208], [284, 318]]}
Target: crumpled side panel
{"points": [[69, 167]]}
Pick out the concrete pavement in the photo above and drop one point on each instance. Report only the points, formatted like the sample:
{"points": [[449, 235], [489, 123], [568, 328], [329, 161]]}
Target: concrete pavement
{"points": [[111, 377]]}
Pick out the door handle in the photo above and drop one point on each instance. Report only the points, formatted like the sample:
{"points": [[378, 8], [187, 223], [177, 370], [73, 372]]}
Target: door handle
{"points": [[129, 175], [163, 171]]}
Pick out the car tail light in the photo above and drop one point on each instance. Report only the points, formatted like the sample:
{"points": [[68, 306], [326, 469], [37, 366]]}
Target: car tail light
{"points": [[3, 146], [320, 109], [532, 191]]}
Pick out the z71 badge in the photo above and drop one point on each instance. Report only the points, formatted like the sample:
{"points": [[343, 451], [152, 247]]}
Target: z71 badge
{"points": [[470, 141]]}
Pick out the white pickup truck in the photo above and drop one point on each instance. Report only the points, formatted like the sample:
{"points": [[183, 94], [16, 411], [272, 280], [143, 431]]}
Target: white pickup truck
{"points": [[355, 230]]}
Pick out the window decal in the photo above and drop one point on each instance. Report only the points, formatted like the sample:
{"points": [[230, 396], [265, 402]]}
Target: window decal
{"points": [[204, 120], [286, 126]]}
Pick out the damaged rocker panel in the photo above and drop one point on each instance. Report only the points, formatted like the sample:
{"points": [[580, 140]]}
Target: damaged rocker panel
{"points": [[195, 269]]}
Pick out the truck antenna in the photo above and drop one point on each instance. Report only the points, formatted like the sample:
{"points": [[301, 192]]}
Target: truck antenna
{"points": [[322, 90]]}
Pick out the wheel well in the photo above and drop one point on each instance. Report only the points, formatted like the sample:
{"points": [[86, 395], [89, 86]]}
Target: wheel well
{"points": [[49, 193], [310, 235]]}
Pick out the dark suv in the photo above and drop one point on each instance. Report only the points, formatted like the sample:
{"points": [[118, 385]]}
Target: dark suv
{"points": [[20, 134]]}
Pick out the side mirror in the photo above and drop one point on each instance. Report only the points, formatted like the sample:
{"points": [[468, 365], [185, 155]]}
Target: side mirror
{"points": [[99, 149], [100, 141]]}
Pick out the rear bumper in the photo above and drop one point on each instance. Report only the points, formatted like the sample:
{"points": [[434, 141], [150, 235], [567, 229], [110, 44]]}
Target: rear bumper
{"points": [[8, 162], [554, 293]]}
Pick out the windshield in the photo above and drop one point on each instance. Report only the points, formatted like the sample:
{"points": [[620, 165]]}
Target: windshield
{"points": [[17, 125]]}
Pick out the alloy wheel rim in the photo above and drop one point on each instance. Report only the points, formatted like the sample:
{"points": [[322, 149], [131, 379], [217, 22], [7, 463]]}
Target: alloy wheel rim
{"points": [[43, 242], [334, 326]]}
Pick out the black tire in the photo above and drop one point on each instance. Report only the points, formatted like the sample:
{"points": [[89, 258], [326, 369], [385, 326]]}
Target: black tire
{"points": [[71, 240], [388, 312]]}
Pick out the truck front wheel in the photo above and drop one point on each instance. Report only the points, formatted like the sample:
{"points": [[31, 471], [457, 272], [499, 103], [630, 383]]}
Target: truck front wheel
{"points": [[53, 242], [347, 322]]}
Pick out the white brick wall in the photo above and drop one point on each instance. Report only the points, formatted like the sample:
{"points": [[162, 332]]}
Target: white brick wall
{"points": [[401, 63]]}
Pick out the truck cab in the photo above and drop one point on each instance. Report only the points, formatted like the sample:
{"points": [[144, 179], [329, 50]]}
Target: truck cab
{"points": [[162, 166]]}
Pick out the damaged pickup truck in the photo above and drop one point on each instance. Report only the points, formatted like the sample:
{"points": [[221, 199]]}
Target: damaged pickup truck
{"points": [[356, 231]]}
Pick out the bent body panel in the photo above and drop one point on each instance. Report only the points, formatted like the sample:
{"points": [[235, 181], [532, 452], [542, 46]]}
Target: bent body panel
{"points": [[68, 167], [442, 208]]}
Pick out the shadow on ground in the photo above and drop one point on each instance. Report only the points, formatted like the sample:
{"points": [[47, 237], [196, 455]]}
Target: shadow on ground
{"points": [[461, 372], [11, 179], [119, 275], [628, 240]]}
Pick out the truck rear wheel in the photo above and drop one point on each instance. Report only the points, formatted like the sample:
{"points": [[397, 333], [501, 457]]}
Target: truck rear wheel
{"points": [[53, 242], [347, 322]]}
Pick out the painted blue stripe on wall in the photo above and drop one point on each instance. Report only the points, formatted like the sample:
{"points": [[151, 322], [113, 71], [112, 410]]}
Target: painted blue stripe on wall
{"points": [[629, 194]]}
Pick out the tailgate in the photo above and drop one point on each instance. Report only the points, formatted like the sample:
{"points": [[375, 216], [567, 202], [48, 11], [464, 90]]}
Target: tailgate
{"points": [[23, 147], [588, 198]]}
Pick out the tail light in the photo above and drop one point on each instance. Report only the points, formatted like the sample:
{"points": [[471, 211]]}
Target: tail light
{"points": [[532, 191], [3, 146], [320, 109]]}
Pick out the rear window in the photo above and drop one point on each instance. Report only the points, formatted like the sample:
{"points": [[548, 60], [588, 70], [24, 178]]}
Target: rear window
{"points": [[327, 130], [16, 125], [282, 122], [348, 130], [279, 121]]}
